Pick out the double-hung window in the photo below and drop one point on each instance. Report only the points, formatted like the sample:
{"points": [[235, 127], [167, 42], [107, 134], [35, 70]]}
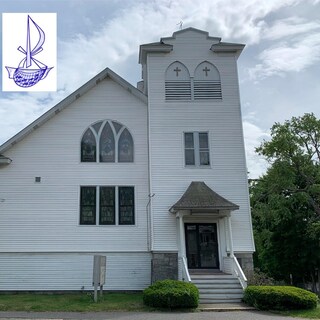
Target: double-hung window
{"points": [[196, 149], [107, 205]]}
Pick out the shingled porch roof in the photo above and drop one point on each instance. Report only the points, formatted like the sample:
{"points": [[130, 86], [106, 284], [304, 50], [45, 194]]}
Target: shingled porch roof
{"points": [[199, 197]]}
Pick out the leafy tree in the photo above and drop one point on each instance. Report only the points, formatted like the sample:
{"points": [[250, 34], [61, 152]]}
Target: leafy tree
{"points": [[286, 201]]}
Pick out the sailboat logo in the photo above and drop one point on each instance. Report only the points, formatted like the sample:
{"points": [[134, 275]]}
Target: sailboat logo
{"points": [[30, 70]]}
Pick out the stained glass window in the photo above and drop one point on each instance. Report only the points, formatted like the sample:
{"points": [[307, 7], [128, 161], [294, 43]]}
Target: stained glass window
{"points": [[88, 147], [107, 205], [125, 147], [107, 144], [126, 205], [97, 126], [88, 205], [110, 139], [117, 126]]}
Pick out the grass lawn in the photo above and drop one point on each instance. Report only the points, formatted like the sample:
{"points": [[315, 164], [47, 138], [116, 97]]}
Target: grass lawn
{"points": [[310, 314], [72, 302]]}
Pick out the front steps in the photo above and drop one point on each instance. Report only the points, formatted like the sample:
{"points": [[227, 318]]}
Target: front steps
{"points": [[217, 288]]}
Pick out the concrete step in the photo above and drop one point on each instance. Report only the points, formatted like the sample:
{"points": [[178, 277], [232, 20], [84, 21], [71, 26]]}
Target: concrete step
{"points": [[218, 281], [212, 276], [219, 301], [221, 291], [220, 288], [218, 285]]}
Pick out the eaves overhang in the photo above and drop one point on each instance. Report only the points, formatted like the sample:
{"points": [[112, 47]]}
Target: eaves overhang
{"points": [[157, 47], [226, 47]]}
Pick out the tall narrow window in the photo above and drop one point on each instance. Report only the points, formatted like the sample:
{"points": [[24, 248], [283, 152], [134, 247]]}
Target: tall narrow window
{"points": [[125, 147], [204, 149], [88, 205], [189, 148], [126, 205], [107, 144], [88, 147], [107, 205], [196, 149]]}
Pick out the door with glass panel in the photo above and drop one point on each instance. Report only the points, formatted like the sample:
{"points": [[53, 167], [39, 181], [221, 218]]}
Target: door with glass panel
{"points": [[202, 245]]}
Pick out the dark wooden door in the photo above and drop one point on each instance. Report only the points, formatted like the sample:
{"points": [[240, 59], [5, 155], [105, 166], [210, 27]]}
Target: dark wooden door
{"points": [[202, 245]]}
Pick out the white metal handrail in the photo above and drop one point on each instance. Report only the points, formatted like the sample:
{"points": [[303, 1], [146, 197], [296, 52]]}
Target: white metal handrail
{"points": [[185, 271], [237, 270]]}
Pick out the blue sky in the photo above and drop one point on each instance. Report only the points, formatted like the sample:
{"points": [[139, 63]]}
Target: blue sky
{"points": [[278, 70]]}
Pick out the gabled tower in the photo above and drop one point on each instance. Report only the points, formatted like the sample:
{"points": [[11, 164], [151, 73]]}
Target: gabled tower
{"points": [[197, 155]]}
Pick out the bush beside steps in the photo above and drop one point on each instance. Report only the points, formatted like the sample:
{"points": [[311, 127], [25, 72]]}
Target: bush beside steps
{"points": [[171, 294], [279, 298]]}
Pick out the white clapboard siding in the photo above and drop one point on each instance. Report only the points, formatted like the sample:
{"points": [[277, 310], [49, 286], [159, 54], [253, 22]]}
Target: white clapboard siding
{"points": [[24, 272], [170, 178], [44, 217]]}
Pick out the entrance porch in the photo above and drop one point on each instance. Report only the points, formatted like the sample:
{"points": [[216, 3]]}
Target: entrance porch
{"points": [[206, 255]]}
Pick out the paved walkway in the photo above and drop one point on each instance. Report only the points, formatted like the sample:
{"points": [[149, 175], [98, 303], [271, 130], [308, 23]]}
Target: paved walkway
{"points": [[227, 315]]}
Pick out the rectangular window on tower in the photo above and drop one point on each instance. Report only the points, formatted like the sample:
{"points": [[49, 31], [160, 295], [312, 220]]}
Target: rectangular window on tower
{"points": [[196, 149]]}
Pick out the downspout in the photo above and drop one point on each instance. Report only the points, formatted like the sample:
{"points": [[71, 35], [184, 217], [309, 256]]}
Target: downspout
{"points": [[148, 222], [151, 194]]}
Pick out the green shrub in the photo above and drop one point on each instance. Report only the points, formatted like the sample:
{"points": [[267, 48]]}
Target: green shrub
{"points": [[279, 298], [171, 294]]}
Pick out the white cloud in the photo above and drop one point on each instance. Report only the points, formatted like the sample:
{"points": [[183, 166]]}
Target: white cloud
{"points": [[253, 136], [289, 27], [288, 56]]}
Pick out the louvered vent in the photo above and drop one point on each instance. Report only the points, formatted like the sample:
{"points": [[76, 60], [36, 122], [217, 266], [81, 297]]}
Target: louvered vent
{"points": [[178, 90], [207, 90]]}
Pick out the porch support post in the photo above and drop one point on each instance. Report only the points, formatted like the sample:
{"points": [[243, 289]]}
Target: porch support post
{"points": [[181, 235], [230, 236]]}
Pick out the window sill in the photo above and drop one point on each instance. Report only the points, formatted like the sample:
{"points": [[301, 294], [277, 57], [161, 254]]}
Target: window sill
{"points": [[197, 167]]}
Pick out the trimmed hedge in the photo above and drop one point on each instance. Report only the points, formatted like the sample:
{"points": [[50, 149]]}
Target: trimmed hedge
{"points": [[279, 298], [171, 294]]}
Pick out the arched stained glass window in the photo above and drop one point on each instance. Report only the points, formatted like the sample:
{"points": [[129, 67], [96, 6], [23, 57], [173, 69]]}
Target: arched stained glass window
{"points": [[88, 147], [107, 144], [125, 147], [107, 141], [97, 126]]}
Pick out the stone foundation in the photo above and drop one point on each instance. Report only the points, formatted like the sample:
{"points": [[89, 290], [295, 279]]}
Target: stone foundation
{"points": [[164, 265], [246, 262]]}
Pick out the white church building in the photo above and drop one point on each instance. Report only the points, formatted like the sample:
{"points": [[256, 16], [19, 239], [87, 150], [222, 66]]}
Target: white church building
{"points": [[153, 177]]}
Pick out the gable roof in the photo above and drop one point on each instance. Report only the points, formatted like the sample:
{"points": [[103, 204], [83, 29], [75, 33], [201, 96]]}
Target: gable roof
{"points": [[200, 196], [106, 73], [191, 29], [162, 47]]}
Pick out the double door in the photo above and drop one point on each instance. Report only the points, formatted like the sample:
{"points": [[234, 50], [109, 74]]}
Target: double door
{"points": [[202, 245]]}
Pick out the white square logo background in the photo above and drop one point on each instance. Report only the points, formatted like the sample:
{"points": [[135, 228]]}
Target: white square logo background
{"points": [[14, 34]]}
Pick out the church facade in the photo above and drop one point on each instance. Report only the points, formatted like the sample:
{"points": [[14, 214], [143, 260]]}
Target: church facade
{"points": [[153, 177]]}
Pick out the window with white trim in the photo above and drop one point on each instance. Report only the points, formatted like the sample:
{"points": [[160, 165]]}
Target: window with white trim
{"points": [[107, 141], [107, 205], [196, 149]]}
